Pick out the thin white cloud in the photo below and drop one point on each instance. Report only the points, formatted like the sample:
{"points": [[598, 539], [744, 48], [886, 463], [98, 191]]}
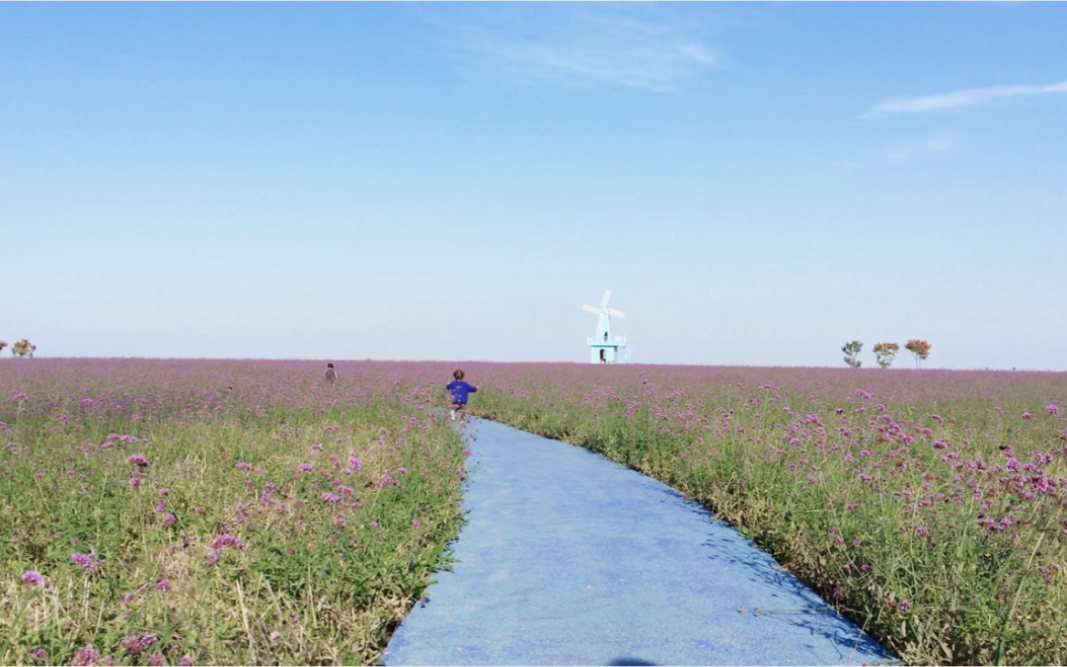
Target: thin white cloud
{"points": [[919, 151], [962, 98], [635, 47]]}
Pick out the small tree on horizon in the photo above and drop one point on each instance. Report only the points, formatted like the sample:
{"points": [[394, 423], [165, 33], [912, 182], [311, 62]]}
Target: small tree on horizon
{"points": [[23, 348], [919, 348], [885, 352], [851, 351], [2, 345]]}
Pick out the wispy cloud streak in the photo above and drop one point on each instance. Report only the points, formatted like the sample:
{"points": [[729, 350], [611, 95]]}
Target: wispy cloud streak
{"points": [[604, 44], [962, 98]]}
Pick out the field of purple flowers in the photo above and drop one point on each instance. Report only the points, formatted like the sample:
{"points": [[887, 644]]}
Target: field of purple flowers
{"points": [[199, 512], [928, 506], [161, 512]]}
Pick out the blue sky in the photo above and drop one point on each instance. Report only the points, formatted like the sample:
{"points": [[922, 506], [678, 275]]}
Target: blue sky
{"points": [[756, 183]]}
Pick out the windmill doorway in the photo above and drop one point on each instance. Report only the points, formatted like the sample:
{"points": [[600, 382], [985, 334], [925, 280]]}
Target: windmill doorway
{"points": [[603, 356]]}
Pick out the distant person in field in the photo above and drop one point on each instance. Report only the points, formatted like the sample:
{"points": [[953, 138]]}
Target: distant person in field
{"points": [[459, 390], [330, 374]]}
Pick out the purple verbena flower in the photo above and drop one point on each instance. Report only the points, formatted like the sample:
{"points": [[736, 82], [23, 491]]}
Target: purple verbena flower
{"points": [[132, 645], [86, 655], [32, 577], [225, 539], [87, 561], [137, 459]]}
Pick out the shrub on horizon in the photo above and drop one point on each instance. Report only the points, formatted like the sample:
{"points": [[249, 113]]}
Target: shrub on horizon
{"points": [[884, 353], [851, 351], [920, 349]]}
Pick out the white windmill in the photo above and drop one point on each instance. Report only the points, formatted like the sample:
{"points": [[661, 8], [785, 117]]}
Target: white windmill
{"points": [[605, 348]]}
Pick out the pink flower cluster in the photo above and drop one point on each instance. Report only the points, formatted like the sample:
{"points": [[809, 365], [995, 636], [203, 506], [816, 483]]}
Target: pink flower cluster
{"points": [[87, 655], [134, 645], [116, 438], [89, 561], [138, 460]]}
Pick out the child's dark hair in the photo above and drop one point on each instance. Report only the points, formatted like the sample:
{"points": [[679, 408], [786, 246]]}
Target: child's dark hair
{"points": [[329, 365], [458, 374]]}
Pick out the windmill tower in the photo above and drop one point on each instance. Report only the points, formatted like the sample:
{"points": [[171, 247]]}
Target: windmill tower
{"points": [[605, 348]]}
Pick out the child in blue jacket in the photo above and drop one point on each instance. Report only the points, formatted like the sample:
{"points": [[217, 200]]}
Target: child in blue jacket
{"points": [[459, 390]]}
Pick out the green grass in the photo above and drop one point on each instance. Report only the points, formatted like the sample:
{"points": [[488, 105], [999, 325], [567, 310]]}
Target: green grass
{"points": [[927, 506], [932, 513], [302, 580]]}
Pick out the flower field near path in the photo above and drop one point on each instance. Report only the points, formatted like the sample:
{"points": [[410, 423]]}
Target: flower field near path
{"points": [[218, 512], [239, 512], [930, 507]]}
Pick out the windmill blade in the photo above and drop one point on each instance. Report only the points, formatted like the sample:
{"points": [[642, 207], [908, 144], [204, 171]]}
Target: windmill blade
{"points": [[616, 313], [604, 301], [589, 309]]}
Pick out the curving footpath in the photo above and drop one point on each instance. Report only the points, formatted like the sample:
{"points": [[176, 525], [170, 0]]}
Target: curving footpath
{"points": [[571, 559]]}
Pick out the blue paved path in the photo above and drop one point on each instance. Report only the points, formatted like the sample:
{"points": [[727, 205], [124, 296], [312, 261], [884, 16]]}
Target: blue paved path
{"points": [[569, 558]]}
